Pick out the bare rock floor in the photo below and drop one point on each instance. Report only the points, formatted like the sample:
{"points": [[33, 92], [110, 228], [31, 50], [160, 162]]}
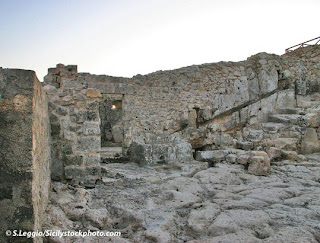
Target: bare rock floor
{"points": [[192, 203]]}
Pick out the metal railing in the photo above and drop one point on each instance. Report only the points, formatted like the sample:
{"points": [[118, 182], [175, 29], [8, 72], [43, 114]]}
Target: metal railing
{"points": [[303, 44]]}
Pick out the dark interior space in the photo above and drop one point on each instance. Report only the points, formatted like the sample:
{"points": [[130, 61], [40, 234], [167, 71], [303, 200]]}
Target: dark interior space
{"points": [[111, 118]]}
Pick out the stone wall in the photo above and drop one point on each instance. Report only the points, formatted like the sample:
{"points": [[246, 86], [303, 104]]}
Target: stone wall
{"points": [[206, 105], [311, 52], [25, 150]]}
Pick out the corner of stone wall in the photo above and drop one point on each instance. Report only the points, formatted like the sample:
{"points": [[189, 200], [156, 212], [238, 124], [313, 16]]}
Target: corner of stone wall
{"points": [[25, 152], [75, 126]]}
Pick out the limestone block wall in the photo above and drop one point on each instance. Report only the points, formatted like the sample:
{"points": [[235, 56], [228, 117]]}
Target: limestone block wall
{"points": [[25, 152], [206, 105], [75, 126]]}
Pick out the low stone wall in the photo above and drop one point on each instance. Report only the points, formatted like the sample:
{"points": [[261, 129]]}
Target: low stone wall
{"points": [[25, 151], [306, 53]]}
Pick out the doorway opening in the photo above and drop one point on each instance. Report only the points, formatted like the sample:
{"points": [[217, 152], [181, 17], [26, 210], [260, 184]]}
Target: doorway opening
{"points": [[111, 126]]}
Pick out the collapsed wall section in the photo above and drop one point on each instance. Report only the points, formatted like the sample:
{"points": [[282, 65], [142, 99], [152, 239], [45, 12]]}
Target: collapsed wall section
{"points": [[25, 152]]}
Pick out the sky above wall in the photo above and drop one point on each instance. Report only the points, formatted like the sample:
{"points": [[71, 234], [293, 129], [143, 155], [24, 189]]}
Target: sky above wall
{"points": [[129, 37]]}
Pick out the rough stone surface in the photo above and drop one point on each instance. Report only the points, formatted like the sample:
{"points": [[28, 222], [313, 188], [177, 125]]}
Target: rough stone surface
{"points": [[25, 152], [189, 203], [93, 93]]}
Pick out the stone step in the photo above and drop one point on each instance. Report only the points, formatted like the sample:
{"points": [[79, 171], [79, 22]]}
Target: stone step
{"points": [[292, 156], [272, 127], [285, 143], [253, 135], [293, 119], [283, 130], [309, 104], [111, 152], [297, 111], [313, 157]]}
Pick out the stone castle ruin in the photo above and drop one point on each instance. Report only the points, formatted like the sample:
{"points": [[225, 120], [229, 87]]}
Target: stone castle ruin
{"points": [[75, 146]]}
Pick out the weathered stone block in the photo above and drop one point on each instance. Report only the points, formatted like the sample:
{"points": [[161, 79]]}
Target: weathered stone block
{"points": [[245, 145], [61, 110], [92, 105], [73, 160], [231, 121], [301, 87], [310, 142], [92, 116], [286, 99], [68, 135], [182, 151], [93, 160], [141, 153], [160, 153], [89, 143], [274, 153], [192, 118], [71, 172], [292, 155], [231, 158], [243, 158], [214, 156], [259, 163], [286, 143], [93, 171], [49, 89], [313, 119], [91, 128], [184, 123], [75, 127], [268, 80], [67, 100], [81, 116], [93, 93], [285, 74], [255, 135], [78, 96], [66, 148], [55, 129]]}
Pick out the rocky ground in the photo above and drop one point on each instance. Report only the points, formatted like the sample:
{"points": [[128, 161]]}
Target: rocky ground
{"points": [[192, 203]]}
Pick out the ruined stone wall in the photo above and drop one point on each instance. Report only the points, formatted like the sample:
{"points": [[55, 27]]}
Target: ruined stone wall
{"points": [[24, 155], [207, 105], [75, 126], [311, 52]]}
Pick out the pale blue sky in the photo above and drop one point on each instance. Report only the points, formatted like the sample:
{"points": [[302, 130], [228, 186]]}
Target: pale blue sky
{"points": [[127, 37]]}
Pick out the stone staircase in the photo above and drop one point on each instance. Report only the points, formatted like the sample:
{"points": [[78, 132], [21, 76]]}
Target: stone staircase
{"points": [[286, 137]]}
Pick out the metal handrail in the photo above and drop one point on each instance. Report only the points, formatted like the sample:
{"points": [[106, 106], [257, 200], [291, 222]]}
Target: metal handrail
{"points": [[303, 44]]}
